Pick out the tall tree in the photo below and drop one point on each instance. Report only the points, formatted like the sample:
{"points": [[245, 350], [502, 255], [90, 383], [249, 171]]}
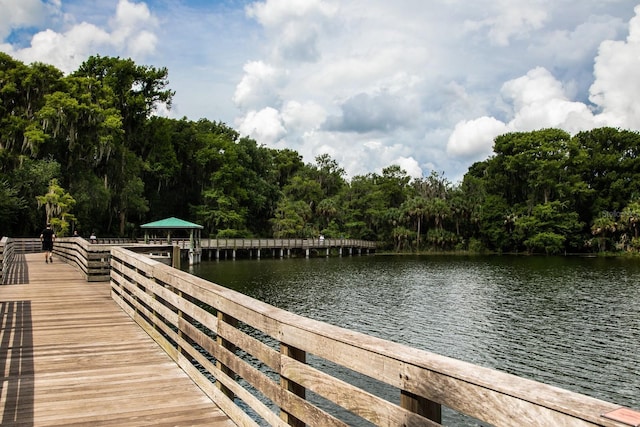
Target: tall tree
{"points": [[22, 94], [58, 205], [416, 208], [137, 92]]}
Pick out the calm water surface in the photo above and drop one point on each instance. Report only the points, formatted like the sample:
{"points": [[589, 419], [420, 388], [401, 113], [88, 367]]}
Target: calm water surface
{"points": [[570, 322]]}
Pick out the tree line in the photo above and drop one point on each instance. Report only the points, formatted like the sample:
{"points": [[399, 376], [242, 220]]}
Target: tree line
{"points": [[86, 152]]}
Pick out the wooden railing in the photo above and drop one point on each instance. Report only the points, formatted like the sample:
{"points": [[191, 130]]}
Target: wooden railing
{"points": [[93, 258], [11, 246], [6, 256], [286, 243], [270, 243], [239, 349]]}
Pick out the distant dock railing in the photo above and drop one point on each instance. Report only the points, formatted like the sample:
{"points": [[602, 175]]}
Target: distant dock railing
{"points": [[93, 257], [229, 248], [238, 349]]}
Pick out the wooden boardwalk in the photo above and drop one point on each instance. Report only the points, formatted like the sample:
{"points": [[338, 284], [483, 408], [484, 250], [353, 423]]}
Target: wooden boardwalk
{"points": [[70, 356]]}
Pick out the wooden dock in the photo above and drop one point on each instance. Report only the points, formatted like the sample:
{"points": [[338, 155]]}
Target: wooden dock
{"points": [[155, 345], [70, 356]]}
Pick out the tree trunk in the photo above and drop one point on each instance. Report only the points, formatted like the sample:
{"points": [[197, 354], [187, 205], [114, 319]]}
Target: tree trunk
{"points": [[123, 221]]}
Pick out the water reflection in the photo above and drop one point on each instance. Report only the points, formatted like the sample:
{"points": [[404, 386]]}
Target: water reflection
{"points": [[569, 322]]}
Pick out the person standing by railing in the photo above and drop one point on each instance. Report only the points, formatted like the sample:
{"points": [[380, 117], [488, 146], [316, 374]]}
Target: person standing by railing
{"points": [[47, 237]]}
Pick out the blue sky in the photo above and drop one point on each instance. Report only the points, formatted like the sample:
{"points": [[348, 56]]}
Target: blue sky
{"points": [[425, 85]]}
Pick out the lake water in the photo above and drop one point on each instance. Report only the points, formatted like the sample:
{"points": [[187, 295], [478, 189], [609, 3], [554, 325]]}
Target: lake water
{"points": [[571, 322]]}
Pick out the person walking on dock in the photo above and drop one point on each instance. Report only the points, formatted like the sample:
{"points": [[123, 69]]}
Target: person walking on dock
{"points": [[47, 237]]}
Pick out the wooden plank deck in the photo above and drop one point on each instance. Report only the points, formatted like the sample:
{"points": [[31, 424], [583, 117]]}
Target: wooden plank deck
{"points": [[70, 356]]}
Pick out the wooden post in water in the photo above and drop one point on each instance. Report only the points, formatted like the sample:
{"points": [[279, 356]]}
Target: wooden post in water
{"points": [[287, 384], [175, 257]]}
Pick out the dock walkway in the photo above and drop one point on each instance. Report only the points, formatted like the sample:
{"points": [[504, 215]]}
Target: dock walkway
{"points": [[70, 356]]}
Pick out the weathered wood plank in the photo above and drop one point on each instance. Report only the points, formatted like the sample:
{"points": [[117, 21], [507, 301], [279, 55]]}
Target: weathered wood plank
{"points": [[422, 377], [70, 356], [358, 401]]}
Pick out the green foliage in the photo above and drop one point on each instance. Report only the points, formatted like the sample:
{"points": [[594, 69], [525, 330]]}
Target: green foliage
{"points": [[547, 242], [230, 233], [58, 205], [28, 180], [536, 230], [11, 205], [475, 246], [292, 220], [94, 132], [603, 228], [440, 239]]}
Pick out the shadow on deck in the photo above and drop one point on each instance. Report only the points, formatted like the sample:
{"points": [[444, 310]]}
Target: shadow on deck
{"points": [[17, 272], [16, 359], [70, 356]]}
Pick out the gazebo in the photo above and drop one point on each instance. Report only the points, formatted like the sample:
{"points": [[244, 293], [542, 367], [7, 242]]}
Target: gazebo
{"points": [[169, 224]]}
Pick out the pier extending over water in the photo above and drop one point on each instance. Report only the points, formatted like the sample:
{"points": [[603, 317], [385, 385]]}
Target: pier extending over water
{"points": [[273, 363], [274, 248]]}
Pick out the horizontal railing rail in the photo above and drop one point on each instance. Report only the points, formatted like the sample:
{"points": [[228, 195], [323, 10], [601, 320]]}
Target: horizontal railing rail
{"points": [[93, 259], [286, 369], [185, 243], [286, 243]]}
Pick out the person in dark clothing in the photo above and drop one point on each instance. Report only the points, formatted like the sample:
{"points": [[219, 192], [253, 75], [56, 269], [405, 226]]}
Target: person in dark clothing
{"points": [[47, 238]]}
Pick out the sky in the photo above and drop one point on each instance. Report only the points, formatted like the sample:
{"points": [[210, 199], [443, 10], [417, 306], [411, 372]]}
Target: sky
{"points": [[423, 84]]}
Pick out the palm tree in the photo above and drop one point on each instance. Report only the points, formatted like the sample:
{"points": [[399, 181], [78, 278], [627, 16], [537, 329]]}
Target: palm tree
{"points": [[601, 226], [416, 209], [631, 216]]}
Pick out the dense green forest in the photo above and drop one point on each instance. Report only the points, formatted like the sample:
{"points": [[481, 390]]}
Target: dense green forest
{"points": [[86, 152]]}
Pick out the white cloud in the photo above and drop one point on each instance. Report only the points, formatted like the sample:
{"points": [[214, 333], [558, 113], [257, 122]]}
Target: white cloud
{"points": [[510, 20], [474, 138], [264, 126], [130, 28], [259, 86], [308, 115], [130, 34], [540, 102], [142, 44], [616, 89], [410, 166], [63, 50], [297, 25], [21, 13]]}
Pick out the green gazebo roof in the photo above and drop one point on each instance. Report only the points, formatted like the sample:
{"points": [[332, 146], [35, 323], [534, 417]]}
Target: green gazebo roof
{"points": [[171, 223]]}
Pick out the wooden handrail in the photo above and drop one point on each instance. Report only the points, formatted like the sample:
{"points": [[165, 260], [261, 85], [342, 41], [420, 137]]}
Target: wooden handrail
{"points": [[93, 259], [286, 243], [219, 336], [6, 256]]}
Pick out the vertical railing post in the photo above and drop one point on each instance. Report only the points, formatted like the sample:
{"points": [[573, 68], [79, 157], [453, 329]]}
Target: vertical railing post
{"points": [[421, 406], [181, 334], [222, 317], [292, 386]]}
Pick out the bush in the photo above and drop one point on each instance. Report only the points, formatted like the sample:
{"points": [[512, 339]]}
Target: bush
{"points": [[550, 243]]}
